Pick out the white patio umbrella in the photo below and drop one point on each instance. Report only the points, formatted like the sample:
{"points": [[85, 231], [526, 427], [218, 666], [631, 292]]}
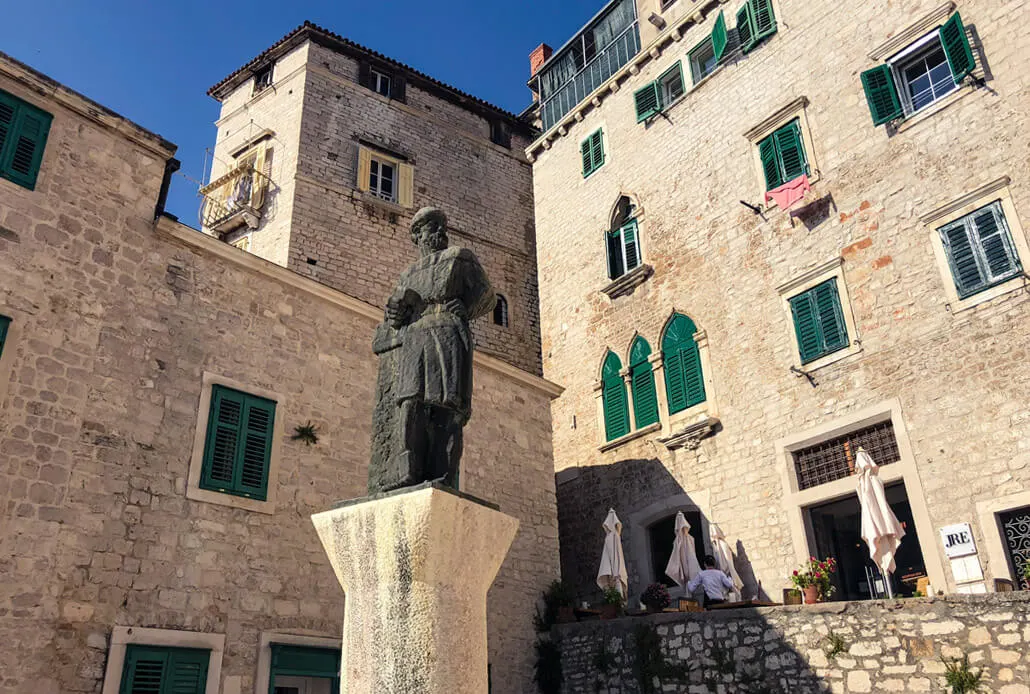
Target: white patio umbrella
{"points": [[880, 527], [724, 559], [682, 564], [612, 573]]}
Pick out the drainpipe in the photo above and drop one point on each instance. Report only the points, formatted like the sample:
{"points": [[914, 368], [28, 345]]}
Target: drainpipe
{"points": [[171, 166]]}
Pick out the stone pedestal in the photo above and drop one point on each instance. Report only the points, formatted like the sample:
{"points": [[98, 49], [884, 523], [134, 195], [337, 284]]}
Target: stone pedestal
{"points": [[415, 566]]}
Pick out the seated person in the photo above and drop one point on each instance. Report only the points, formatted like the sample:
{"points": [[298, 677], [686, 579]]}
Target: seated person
{"points": [[710, 586]]}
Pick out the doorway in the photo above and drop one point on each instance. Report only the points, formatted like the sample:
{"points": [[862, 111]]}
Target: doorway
{"points": [[836, 529], [303, 685], [662, 535]]}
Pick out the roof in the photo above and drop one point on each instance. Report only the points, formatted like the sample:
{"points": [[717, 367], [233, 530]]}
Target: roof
{"points": [[309, 31]]}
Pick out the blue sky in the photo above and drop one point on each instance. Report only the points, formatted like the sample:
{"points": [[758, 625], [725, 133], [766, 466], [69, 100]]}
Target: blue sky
{"points": [[153, 61]]}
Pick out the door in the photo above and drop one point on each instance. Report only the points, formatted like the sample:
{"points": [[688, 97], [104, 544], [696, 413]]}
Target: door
{"points": [[302, 685]]}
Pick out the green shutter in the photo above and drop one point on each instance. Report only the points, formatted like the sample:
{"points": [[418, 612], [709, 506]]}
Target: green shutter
{"points": [[614, 401], [684, 380], [746, 27], [584, 150], [980, 250], [770, 163], [238, 447], [613, 242], [648, 100], [791, 151], [154, 670], [965, 269], [806, 328], [995, 242], [5, 322], [592, 151], [819, 321], [23, 135], [831, 317], [304, 661], [631, 244], [645, 396], [765, 21], [719, 37], [956, 47], [881, 94]]}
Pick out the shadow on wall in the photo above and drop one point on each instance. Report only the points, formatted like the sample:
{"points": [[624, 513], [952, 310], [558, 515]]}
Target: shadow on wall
{"points": [[646, 497]]}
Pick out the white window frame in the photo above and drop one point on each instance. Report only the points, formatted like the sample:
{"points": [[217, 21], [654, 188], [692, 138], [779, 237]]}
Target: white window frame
{"points": [[379, 162], [699, 76], [379, 80], [668, 98], [910, 54], [123, 637]]}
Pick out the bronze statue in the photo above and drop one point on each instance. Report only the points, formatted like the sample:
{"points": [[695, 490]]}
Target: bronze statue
{"points": [[424, 389]]}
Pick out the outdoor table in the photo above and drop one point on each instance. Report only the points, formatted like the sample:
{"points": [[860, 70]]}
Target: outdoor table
{"points": [[744, 603]]}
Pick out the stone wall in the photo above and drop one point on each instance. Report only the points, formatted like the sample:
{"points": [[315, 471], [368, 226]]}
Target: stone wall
{"points": [[836, 647], [116, 322], [958, 376]]}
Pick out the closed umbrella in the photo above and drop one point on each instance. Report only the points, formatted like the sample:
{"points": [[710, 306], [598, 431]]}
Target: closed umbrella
{"points": [[724, 560], [880, 527], [612, 573], [682, 564]]}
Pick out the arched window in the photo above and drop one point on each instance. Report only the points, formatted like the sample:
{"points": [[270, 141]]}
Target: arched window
{"points": [[645, 399], [684, 382], [623, 239], [501, 311], [613, 397]]}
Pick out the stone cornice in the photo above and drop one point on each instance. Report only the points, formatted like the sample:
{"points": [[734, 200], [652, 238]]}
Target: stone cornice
{"points": [[912, 32], [969, 198]]}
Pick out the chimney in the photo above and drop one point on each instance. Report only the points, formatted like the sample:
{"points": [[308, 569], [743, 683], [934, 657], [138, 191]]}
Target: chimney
{"points": [[538, 57]]}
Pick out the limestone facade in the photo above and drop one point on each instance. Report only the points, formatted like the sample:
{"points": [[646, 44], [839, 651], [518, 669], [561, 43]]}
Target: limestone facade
{"points": [[320, 113], [948, 373], [119, 327]]}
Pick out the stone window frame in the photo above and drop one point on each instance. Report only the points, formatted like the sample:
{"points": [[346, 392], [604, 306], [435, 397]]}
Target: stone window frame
{"points": [[604, 444], [796, 109], [996, 190], [987, 513], [627, 282], [122, 637], [193, 488], [833, 269], [7, 356], [797, 500], [267, 638]]}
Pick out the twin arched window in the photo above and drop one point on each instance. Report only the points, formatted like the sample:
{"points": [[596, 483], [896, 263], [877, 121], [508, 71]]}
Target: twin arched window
{"points": [[684, 380]]}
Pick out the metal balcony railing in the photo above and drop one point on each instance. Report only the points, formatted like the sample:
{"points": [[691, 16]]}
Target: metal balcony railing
{"points": [[234, 200]]}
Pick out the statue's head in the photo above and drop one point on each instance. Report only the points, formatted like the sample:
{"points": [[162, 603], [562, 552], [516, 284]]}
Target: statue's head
{"points": [[429, 229]]}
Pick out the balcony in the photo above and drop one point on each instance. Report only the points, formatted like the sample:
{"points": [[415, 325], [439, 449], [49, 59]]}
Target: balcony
{"points": [[234, 200]]}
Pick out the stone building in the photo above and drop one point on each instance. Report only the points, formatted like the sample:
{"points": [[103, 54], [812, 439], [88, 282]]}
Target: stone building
{"points": [[726, 352], [325, 150], [154, 382]]}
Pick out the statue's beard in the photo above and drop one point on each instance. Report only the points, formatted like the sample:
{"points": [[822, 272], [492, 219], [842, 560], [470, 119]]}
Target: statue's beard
{"points": [[434, 243]]}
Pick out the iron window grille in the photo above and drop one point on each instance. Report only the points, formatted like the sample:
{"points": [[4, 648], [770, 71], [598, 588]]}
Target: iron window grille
{"points": [[834, 459]]}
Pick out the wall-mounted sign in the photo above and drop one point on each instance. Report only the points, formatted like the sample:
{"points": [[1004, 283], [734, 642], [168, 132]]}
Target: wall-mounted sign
{"points": [[958, 540]]}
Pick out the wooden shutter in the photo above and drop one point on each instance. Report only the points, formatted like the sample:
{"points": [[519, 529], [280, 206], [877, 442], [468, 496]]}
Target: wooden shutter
{"points": [[965, 270], [187, 672], [5, 323], [746, 27], [631, 244], [693, 378], [154, 670], [255, 451], [645, 396], [684, 380], [806, 326], [719, 36], [881, 94], [613, 240], [613, 395], [956, 48], [770, 163], [398, 88], [365, 74], [225, 423], [406, 185], [260, 176], [584, 151], [8, 111], [592, 151], [648, 101], [831, 317], [790, 151], [765, 21], [24, 138], [995, 242], [364, 168]]}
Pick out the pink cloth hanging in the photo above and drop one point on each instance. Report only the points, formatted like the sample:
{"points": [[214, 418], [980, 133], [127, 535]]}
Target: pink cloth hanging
{"points": [[790, 192]]}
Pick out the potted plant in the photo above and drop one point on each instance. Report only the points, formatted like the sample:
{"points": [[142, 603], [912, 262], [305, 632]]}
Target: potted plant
{"points": [[1026, 575], [612, 603], [656, 597], [814, 579]]}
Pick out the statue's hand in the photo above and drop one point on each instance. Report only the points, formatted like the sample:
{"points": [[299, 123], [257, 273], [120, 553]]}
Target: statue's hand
{"points": [[457, 307], [396, 312]]}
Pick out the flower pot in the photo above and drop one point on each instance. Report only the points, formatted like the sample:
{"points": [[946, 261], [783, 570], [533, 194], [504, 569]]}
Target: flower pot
{"points": [[566, 615], [811, 595], [791, 597], [609, 611]]}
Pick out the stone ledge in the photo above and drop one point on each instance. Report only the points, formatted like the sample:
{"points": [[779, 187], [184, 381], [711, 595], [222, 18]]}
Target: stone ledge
{"points": [[624, 285]]}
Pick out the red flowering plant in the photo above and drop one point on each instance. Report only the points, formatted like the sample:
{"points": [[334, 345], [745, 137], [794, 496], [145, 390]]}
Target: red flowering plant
{"points": [[817, 573], [656, 597]]}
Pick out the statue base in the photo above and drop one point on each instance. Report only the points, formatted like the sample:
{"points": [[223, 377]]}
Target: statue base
{"points": [[416, 565]]}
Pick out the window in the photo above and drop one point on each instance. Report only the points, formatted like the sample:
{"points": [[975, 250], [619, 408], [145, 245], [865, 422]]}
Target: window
{"points": [[641, 378], [1016, 526], [304, 670], [263, 78], [755, 23], [819, 321], [5, 322], [23, 135], [385, 177], [783, 155], [666, 4], [834, 459], [238, 445], [613, 398], [623, 249], [980, 250], [681, 356], [381, 182], [501, 311], [243, 243], [163, 670], [380, 82], [653, 98], [705, 57], [921, 74], [500, 133], [592, 151]]}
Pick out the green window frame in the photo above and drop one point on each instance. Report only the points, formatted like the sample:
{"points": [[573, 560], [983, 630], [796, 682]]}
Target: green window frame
{"points": [[655, 97], [304, 661], [641, 379], [783, 155], [164, 670], [681, 359], [613, 398], [980, 250], [705, 57], [883, 84], [819, 321], [23, 134], [5, 323], [623, 245], [238, 446], [756, 22], [592, 152]]}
